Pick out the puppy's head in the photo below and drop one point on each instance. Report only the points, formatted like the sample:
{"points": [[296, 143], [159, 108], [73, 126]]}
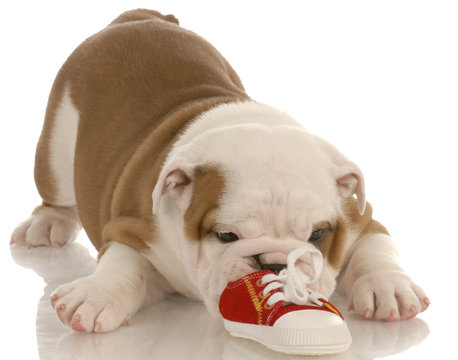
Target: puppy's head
{"points": [[240, 198]]}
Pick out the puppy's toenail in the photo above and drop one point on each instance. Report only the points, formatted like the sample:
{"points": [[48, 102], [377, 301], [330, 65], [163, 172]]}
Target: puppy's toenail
{"points": [[367, 314]]}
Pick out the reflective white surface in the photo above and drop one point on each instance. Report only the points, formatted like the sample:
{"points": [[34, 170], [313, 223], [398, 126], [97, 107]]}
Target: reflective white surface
{"points": [[377, 79], [179, 328]]}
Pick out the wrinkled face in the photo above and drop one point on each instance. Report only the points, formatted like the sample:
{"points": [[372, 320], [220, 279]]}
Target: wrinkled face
{"points": [[254, 197]]}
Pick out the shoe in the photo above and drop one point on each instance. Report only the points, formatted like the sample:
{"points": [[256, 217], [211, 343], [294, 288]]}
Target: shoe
{"points": [[281, 313]]}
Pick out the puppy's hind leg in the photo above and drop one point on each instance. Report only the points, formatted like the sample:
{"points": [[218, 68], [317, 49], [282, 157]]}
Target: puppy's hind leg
{"points": [[56, 221]]}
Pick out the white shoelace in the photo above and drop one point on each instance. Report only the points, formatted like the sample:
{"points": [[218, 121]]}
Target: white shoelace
{"points": [[292, 282]]}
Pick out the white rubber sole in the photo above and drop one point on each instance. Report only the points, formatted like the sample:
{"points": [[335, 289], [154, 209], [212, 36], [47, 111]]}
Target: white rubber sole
{"points": [[313, 341]]}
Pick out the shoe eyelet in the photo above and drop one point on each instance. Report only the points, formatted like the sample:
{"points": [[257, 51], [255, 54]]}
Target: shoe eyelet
{"points": [[267, 307], [259, 283], [261, 294]]}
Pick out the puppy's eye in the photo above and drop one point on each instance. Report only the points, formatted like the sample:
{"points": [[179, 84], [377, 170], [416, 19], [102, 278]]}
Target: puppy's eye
{"points": [[317, 236], [226, 237]]}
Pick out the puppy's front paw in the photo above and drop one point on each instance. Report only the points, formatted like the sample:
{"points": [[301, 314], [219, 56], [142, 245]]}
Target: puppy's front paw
{"points": [[387, 295], [91, 305]]}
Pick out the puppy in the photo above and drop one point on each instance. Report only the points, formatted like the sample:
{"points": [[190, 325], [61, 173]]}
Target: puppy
{"points": [[183, 183]]}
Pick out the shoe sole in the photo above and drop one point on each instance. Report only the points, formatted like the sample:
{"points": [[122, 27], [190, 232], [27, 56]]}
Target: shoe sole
{"points": [[313, 341]]}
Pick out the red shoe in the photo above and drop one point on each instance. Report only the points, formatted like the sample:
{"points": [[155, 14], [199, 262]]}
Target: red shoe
{"points": [[281, 313]]}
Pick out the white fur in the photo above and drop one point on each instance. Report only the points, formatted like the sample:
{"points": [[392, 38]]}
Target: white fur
{"points": [[62, 149], [123, 282], [227, 115], [50, 226], [217, 119], [280, 181]]}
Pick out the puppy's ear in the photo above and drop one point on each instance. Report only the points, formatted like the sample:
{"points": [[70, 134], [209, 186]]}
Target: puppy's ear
{"points": [[174, 181], [350, 180]]}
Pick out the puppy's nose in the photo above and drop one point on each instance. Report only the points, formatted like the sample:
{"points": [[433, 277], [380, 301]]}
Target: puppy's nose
{"points": [[276, 268]]}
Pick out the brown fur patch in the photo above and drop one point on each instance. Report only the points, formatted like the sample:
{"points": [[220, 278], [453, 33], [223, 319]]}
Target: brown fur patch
{"points": [[201, 214], [333, 246], [136, 85], [142, 14], [364, 224], [130, 231]]}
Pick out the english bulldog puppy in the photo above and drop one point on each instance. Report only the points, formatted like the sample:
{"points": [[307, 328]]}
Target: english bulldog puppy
{"points": [[183, 183]]}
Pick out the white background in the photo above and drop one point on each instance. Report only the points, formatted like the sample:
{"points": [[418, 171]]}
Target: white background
{"points": [[379, 79]]}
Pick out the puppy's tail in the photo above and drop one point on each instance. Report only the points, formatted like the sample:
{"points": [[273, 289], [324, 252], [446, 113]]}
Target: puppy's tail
{"points": [[143, 14]]}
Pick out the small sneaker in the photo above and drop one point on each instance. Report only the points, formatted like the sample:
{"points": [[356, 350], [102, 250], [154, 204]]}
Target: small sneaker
{"points": [[281, 313]]}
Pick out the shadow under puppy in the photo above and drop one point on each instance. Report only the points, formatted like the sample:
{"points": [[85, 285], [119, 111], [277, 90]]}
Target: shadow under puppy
{"points": [[183, 183]]}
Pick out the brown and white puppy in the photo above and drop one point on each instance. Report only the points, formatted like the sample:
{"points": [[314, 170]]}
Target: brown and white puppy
{"points": [[183, 183]]}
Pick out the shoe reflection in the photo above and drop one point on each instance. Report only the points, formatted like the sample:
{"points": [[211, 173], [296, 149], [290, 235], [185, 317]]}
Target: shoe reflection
{"points": [[179, 328]]}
